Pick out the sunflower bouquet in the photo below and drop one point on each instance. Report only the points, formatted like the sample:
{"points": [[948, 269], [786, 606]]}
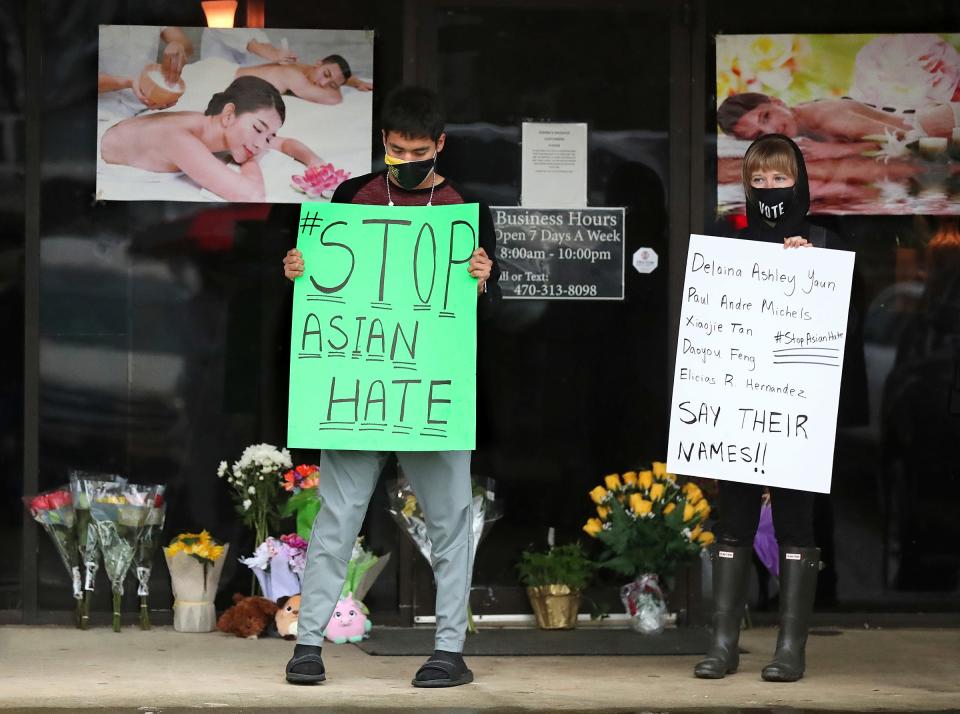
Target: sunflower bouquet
{"points": [[648, 524], [195, 561]]}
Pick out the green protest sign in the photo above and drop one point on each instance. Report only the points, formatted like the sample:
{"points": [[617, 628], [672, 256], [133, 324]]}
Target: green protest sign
{"points": [[384, 333]]}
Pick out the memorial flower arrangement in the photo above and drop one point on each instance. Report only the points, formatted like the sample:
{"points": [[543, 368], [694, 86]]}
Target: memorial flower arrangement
{"points": [[362, 571], [255, 484], [278, 565], [54, 511], [406, 511], [88, 544], [648, 524], [304, 503], [195, 561], [118, 511], [145, 552]]}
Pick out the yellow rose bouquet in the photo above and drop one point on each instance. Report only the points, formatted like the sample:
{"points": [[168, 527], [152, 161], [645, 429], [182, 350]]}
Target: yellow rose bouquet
{"points": [[648, 524]]}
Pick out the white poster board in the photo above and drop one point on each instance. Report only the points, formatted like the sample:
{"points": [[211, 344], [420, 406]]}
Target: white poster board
{"points": [[554, 165], [759, 361]]}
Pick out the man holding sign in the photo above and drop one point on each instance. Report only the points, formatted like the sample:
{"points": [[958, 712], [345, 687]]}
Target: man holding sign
{"points": [[759, 361], [398, 375]]}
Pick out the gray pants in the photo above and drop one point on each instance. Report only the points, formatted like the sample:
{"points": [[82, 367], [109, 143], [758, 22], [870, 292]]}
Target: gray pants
{"points": [[441, 481]]}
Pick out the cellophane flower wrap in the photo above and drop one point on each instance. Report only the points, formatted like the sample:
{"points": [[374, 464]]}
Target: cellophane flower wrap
{"points": [[88, 544], [278, 565], [302, 483], [195, 561], [146, 550], [485, 510], [362, 571], [254, 481], [406, 511], [55, 513], [119, 511]]}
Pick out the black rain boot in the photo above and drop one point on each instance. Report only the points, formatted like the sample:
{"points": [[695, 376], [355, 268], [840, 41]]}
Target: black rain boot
{"points": [[731, 574], [798, 588]]}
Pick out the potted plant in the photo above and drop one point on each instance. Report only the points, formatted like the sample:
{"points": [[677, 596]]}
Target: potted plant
{"points": [[554, 580], [648, 524]]}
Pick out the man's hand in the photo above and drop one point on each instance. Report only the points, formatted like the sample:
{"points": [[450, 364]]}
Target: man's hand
{"points": [[359, 84], [480, 266], [293, 264], [174, 57], [796, 242]]}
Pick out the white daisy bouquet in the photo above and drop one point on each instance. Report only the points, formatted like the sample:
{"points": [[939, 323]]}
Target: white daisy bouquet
{"points": [[255, 482]]}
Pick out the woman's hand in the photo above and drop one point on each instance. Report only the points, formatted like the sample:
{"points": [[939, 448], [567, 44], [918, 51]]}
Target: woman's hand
{"points": [[293, 264], [796, 242], [480, 267], [174, 57]]}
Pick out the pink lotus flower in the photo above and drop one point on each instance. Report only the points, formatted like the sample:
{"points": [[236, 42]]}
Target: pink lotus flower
{"points": [[320, 180]]}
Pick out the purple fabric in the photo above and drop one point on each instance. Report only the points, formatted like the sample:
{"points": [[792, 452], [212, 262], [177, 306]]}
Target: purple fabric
{"points": [[765, 541]]}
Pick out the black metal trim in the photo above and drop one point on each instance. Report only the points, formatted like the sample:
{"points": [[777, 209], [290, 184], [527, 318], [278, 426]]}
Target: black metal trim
{"points": [[33, 100]]}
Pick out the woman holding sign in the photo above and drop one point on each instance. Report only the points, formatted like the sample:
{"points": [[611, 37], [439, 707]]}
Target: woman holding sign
{"points": [[778, 197]]}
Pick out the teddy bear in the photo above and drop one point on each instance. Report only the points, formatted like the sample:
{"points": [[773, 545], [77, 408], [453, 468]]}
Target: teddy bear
{"points": [[288, 612], [349, 622], [248, 617]]}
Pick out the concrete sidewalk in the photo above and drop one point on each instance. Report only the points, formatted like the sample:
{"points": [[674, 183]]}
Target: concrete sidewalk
{"points": [[855, 670]]}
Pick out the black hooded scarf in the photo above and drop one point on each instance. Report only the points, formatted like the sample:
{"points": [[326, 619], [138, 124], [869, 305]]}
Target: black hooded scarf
{"points": [[794, 221]]}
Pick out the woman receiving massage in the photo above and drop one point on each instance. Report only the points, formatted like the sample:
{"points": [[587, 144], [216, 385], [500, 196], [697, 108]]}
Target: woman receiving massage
{"points": [[239, 124]]}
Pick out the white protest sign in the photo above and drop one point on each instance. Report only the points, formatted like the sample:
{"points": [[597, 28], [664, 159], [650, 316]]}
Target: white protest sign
{"points": [[759, 360]]}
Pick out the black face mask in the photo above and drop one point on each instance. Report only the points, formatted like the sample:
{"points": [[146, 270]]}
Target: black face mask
{"points": [[411, 174], [773, 203]]}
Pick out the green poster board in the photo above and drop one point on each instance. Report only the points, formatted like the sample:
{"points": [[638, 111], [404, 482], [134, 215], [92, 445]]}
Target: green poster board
{"points": [[383, 344]]}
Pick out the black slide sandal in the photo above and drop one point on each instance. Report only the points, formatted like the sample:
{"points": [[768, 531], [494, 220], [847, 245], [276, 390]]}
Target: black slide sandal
{"points": [[456, 675], [299, 678]]}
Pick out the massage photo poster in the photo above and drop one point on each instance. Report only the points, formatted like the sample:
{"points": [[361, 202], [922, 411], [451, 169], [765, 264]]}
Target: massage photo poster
{"points": [[877, 117], [237, 115]]}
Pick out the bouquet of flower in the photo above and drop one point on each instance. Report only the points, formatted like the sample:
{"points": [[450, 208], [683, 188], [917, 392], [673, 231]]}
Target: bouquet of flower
{"points": [[278, 565], [54, 511], [362, 571], [485, 510], [648, 522], [146, 549], [119, 511], [87, 544], [255, 481], [195, 561], [301, 483]]}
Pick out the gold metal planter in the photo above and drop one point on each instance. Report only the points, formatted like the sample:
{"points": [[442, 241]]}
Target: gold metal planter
{"points": [[555, 606]]}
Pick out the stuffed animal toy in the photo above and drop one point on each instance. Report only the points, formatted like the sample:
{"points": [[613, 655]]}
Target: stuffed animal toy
{"points": [[248, 617], [349, 622], [288, 611]]}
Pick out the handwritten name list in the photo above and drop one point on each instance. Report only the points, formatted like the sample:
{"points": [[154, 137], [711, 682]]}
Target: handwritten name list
{"points": [[759, 363]]}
